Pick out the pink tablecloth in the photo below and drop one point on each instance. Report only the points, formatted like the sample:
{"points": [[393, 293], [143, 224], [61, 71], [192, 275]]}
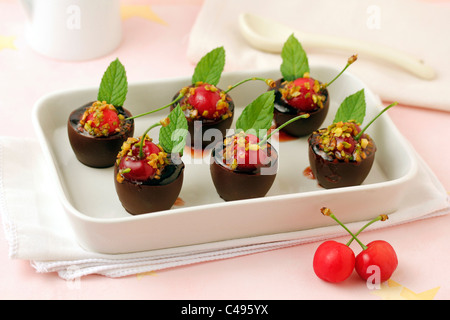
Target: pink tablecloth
{"points": [[152, 39]]}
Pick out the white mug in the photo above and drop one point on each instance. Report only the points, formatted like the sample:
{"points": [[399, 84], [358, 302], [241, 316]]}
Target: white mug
{"points": [[73, 29]]}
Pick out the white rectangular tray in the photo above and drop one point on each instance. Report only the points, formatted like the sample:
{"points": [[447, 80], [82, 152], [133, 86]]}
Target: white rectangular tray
{"points": [[102, 225]]}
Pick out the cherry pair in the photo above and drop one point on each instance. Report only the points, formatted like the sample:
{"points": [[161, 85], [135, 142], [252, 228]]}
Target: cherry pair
{"points": [[334, 262]]}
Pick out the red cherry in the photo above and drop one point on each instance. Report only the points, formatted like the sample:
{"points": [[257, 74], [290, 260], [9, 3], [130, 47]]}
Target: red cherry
{"points": [[139, 169], [207, 100], [379, 257], [333, 261], [346, 144], [147, 148], [248, 157], [246, 152], [134, 168], [108, 119], [301, 93]]}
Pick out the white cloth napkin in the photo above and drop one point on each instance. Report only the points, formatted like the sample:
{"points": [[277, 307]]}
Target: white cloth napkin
{"points": [[37, 229], [420, 28]]}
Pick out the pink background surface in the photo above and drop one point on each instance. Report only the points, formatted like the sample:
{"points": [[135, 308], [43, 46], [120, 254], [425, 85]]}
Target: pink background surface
{"points": [[154, 50]]}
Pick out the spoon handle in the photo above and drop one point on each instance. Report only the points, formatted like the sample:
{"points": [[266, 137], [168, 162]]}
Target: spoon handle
{"points": [[270, 36], [380, 52]]}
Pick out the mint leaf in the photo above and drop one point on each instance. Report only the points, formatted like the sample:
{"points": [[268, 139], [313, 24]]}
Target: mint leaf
{"points": [[257, 115], [114, 86], [352, 108], [209, 69], [172, 138], [295, 61]]}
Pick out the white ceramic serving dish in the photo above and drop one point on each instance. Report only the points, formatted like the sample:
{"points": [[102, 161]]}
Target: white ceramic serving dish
{"points": [[293, 204]]}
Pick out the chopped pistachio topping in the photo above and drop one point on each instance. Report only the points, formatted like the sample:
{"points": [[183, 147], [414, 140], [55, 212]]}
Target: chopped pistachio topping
{"points": [[165, 122], [289, 91], [338, 142], [94, 125], [156, 160], [222, 106], [236, 148]]}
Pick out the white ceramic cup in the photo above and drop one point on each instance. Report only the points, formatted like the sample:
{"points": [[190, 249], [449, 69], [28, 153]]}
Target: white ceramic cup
{"points": [[73, 29]]}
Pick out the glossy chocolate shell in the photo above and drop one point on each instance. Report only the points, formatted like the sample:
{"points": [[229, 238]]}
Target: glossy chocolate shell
{"points": [[234, 185], [332, 173], [283, 112], [97, 152], [151, 196]]}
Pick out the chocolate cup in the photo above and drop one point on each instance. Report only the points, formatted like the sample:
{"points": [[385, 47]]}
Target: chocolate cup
{"points": [[337, 174], [198, 127], [234, 185], [140, 198], [97, 152], [283, 112]]}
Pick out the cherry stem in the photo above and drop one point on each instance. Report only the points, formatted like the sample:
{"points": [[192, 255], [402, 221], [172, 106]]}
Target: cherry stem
{"points": [[349, 63], [302, 116], [178, 98], [269, 82], [358, 136], [141, 143], [327, 212], [382, 217]]}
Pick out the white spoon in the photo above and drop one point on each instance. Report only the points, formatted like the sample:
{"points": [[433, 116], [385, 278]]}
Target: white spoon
{"points": [[270, 36]]}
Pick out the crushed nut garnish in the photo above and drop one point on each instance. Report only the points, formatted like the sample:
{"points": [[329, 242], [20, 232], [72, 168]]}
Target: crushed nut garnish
{"points": [[156, 160], [289, 91], [165, 122], [222, 110], [93, 126], [337, 141]]}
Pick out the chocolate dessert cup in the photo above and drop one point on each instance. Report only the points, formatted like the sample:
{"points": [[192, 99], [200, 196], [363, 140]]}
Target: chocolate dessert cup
{"points": [[238, 185], [152, 195], [97, 152], [283, 112], [334, 173]]}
